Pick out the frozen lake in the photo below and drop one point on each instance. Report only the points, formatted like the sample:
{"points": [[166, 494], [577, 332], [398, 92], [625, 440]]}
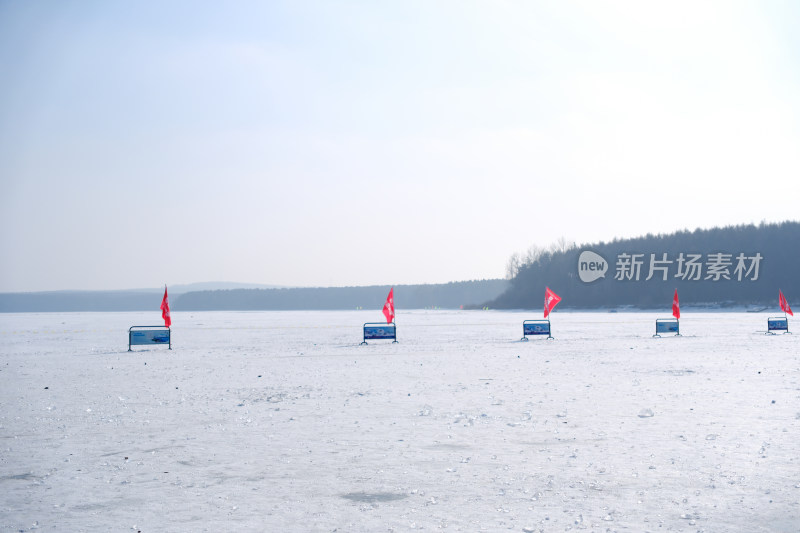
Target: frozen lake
{"points": [[280, 421]]}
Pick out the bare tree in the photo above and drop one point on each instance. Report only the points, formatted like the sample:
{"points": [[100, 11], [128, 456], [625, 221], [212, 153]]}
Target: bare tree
{"points": [[562, 245], [534, 254], [513, 265]]}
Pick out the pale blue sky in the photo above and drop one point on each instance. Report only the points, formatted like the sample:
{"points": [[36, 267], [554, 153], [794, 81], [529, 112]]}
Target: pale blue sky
{"points": [[353, 143]]}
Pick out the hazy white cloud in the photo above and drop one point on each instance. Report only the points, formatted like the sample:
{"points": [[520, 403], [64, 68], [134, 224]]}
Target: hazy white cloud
{"points": [[309, 144]]}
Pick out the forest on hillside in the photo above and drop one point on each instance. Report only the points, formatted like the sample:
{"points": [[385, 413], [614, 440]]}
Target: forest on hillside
{"points": [[733, 265]]}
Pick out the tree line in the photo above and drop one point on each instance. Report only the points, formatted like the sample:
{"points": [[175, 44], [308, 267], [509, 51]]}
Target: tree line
{"points": [[732, 265]]}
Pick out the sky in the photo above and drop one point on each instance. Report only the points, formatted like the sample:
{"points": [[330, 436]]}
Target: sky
{"points": [[356, 143]]}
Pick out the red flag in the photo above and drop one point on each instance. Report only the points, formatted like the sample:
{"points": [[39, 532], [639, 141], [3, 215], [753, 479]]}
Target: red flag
{"points": [[676, 306], [388, 307], [784, 304], [551, 299], [165, 309]]}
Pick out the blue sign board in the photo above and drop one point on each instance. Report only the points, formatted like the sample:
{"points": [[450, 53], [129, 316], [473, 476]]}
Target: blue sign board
{"points": [[138, 336], [667, 325], [378, 331], [536, 327], [777, 324], [149, 336]]}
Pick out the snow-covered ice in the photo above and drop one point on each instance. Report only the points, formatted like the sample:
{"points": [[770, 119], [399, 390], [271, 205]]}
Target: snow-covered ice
{"points": [[280, 421]]}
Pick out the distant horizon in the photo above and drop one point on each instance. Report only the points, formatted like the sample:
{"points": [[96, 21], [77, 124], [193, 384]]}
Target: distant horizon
{"points": [[179, 288]]}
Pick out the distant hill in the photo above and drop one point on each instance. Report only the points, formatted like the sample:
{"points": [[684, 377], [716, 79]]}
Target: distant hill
{"points": [[122, 300], [730, 266], [218, 285], [448, 295], [201, 286]]}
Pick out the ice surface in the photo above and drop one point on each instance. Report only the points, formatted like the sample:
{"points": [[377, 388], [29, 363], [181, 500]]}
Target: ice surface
{"points": [[280, 421]]}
